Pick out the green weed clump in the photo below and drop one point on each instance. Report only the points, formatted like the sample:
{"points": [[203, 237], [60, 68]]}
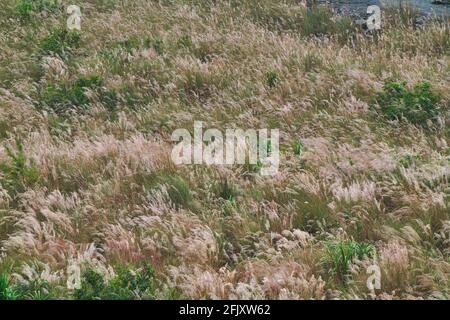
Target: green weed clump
{"points": [[297, 147], [59, 42], [321, 21], [126, 285], [34, 290], [17, 175], [6, 290], [178, 189], [61, 96], [272, 78], [24, 8], [339, 255], [226, 190], [416, 105]]}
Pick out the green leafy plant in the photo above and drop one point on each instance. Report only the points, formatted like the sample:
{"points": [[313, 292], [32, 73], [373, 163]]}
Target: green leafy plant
{"points": [[60, 41], [61, 96], [227, 190], [339, 255], [17, 175], [156, 44], [416, 105], [407, 160], [130, 44], [6, 292], [272, 78], [185, 41], [132, 284], [34, 290], [297, 146], [178, 189], [126, 285], [24, 8], [92, 286]]}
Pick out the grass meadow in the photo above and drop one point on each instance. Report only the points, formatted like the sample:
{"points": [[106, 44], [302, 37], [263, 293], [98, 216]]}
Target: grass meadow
{"points": [[87, 183]]}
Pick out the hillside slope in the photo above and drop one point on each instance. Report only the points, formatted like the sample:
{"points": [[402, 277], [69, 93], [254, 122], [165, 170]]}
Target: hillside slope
{"points": [[89, 191]]}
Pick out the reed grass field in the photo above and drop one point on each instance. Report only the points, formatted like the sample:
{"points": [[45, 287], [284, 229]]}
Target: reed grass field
{"points": [[93, 207]]}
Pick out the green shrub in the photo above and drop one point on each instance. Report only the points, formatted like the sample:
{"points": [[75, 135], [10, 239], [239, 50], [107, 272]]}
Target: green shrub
{"points": [[24, 8], [4, 129], [317, 21], [60, 41], [312, 213], [397, 102], [17, 175], [61, 96], [226, 190], [34, 290], [126, 285], [156, 44], [6, 292], [92, 286], [272, 78], [178, 190], [297, 147], [408, 160], [185, 42], [339, 255], [130, 284], [130, 44]]}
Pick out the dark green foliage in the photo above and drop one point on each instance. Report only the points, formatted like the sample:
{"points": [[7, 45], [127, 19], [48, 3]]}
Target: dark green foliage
{"points": [[272, 78], [24, 8], [127, 284], [408, 160], [312, 213], [78, 89], [320, 20], [339, 255], [317, 21], [34, 290], [156, 44], [178, 190], [17, 175], [59, 42], [92, 286], [226, 190], [185, 41], [130, 44], [6, 292], [61, 96], [297, 146], [4, 129], [397, 102], [134, 43]]}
